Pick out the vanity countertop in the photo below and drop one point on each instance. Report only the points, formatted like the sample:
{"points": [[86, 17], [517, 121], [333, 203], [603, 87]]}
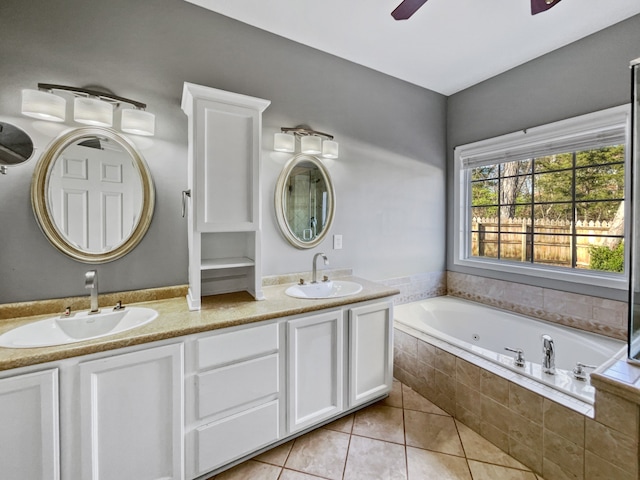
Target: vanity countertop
{"points": [[176, 320]]}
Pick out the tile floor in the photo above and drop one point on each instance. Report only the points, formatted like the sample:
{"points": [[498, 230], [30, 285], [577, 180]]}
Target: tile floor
{"points": [[404, 437]]}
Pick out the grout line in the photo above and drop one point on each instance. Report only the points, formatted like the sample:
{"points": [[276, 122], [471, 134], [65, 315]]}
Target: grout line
{"points": [[404, 431], [346, 458]]}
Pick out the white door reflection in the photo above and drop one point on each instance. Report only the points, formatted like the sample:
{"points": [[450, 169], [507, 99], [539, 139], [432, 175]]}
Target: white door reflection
{"points": [[94, 194]]}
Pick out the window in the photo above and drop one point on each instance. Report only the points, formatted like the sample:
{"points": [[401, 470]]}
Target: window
{"points": [[549, 201]]}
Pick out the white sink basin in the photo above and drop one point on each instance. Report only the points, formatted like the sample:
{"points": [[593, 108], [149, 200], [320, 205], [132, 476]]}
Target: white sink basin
{"points": [[77, 328], [331, 289]]}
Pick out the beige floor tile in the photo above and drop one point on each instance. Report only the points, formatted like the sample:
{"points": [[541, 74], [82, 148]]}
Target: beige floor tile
{"points": [[395, 396], [479, 448], [486, 471], [425, 465], [277, 455], [252, 470], [321, 452], [432, 432], [380, 422], [293, 475], [412, 400], [344, 424], [370, 459]]}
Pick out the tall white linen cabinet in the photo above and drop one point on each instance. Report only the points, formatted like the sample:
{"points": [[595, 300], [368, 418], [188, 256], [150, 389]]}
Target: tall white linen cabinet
{"points": [[223, 200]]}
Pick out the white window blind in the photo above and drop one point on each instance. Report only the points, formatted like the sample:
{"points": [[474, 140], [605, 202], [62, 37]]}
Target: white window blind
{"points": [[603, 129]]}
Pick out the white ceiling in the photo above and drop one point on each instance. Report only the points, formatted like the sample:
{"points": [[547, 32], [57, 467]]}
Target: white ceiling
{"points": [[447, 46]]}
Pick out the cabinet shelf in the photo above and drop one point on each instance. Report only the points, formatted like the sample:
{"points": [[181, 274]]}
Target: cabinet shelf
{"points": [[219, 263]]}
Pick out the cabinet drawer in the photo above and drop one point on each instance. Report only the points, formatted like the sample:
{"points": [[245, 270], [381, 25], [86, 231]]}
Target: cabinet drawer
{"points": [[228, 439], [232, 347], [236, 385]]}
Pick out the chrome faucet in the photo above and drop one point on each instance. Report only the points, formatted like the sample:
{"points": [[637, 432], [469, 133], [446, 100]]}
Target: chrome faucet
{"points": [[314, 272], [91, 282], [549, 355]]}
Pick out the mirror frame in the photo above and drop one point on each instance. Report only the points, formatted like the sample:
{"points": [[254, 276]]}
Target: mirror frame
{"points": [[39, 184], [285, 229]]}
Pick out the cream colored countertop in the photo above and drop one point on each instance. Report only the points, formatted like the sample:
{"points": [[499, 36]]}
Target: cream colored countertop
{"points": [[176, 320]]}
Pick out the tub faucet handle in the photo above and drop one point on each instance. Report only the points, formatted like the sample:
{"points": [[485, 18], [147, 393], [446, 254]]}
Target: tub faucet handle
{"points": [[579, 373], [518, 361]]}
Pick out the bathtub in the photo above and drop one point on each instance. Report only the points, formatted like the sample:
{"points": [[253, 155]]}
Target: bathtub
{"points": [[486, 331]]}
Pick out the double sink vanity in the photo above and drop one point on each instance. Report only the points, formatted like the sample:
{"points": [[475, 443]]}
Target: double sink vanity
{"points": [[159, 388], [191, 392]]}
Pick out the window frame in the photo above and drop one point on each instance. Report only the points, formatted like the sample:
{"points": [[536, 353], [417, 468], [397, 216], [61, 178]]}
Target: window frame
{"points": [[534, 138]]}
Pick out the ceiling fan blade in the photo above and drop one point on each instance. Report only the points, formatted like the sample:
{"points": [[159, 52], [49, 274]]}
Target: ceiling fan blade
{"points": [[408, 8], [539, 6]]}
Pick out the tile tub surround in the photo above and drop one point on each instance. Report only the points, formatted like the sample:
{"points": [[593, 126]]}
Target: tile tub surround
{"points": [[593, 314], [418, 287], [404, 437], [175, 320], [556, 439]]}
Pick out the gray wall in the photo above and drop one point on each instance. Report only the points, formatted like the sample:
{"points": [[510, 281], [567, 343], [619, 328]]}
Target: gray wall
{"points": [[390, 180], [588, 75]]}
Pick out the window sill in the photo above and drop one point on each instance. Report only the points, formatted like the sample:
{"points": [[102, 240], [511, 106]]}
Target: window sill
{"points": [[616, 281]]}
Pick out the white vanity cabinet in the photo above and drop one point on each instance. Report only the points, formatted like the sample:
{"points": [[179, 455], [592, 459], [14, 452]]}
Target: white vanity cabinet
{"points": [[370, 352], [315, 369], [233, 394], [131, 415], [29, 426], [225, 132]]}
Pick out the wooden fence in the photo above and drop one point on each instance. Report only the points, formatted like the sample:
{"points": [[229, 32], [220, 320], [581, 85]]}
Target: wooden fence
{"points": [[553, 240]]}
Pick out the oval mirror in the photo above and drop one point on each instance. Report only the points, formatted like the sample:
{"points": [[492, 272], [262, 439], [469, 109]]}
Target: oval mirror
{"points": [[16, 146], [304, 201], [92, 194]]}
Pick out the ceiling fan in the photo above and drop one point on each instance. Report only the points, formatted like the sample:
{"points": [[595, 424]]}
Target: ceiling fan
{"points": [[409, 7]]}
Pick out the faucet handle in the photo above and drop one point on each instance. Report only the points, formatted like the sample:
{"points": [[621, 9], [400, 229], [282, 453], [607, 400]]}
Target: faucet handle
{"points": [[67, 312], [301, 282], [579, 373], [325, 278], [518, 361], [119, 306]]}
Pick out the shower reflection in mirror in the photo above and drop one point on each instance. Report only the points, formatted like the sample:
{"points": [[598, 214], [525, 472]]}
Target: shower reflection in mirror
{"points": [[304, 201]]}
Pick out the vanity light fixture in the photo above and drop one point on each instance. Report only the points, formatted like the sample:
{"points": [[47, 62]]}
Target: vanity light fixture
{"points": [[90, 107], [43, 105], [92, 111], [312, 142]]}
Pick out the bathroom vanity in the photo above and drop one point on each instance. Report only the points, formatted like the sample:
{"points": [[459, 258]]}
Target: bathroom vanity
{"points": [[191, 393]]}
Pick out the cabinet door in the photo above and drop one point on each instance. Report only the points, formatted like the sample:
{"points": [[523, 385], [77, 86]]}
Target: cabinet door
{"points": [[315, 376], [132, 415], [29, 427], [226, 167], [370, 358]]}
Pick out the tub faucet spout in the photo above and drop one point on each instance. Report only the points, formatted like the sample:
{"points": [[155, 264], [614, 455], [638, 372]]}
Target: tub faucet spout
{"points": [[314, 272], [91, 283], [549, 355]]}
